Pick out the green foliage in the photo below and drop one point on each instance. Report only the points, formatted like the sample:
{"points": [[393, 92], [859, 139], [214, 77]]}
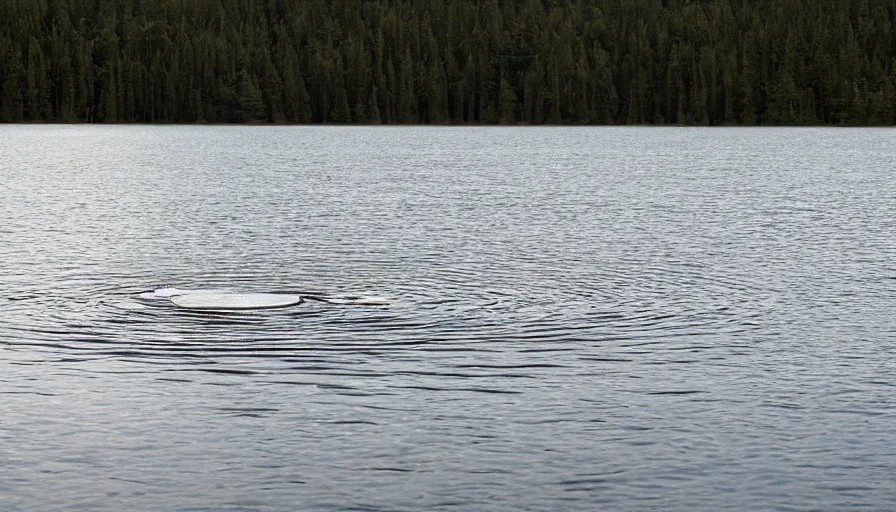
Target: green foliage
{"points": [[707, 62]]}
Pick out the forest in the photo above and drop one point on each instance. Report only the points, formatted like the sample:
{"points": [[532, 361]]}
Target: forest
{"points": [[690, 62]]}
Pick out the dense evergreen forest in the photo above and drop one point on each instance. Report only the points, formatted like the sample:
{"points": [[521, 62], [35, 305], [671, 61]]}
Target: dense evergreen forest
{"points": [[449, 61]]}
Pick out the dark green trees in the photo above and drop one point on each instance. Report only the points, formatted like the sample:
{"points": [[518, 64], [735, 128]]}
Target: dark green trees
{"points": [[704, 62]]}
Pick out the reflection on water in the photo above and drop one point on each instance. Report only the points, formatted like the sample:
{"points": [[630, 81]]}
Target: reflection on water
{"points": [[620, 318]]}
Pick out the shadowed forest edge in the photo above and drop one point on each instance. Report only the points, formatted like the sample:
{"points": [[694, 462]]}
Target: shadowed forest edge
{"points": [[704, 62]]}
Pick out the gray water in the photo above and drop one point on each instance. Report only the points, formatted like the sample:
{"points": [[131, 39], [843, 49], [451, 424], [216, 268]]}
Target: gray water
{"points": [[581, 319]]}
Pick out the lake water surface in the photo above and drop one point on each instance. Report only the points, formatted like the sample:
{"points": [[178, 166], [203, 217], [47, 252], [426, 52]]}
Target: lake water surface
{"points": [[582, 319]]}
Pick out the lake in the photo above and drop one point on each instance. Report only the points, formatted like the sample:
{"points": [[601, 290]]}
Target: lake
{"points": [[581, 318]]}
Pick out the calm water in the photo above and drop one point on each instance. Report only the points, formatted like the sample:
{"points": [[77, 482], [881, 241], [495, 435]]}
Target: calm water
{"points": [[581, 319]]}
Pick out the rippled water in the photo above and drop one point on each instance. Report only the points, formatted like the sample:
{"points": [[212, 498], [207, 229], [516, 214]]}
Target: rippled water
{"points": [[581, 319]]}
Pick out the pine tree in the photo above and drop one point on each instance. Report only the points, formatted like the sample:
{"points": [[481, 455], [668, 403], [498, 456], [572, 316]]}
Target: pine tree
{"points": [[465, 61]]}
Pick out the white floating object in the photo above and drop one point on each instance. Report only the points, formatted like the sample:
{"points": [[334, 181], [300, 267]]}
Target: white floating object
{"points": [[170, 291], [220, 301], [357, 301]]}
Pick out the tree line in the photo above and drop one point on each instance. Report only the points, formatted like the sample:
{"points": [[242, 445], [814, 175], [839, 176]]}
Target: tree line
{"points": [[704, 62]]}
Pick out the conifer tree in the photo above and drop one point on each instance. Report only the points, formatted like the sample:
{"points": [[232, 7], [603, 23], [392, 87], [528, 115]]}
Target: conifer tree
{"points": [[464, 61]]}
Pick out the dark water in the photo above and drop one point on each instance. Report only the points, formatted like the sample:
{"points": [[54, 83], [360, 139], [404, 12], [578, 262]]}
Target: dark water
{"points": [[581, 319]]}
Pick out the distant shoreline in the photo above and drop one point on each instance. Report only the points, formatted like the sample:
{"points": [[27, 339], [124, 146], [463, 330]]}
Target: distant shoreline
{"points": [[443, 125]]}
